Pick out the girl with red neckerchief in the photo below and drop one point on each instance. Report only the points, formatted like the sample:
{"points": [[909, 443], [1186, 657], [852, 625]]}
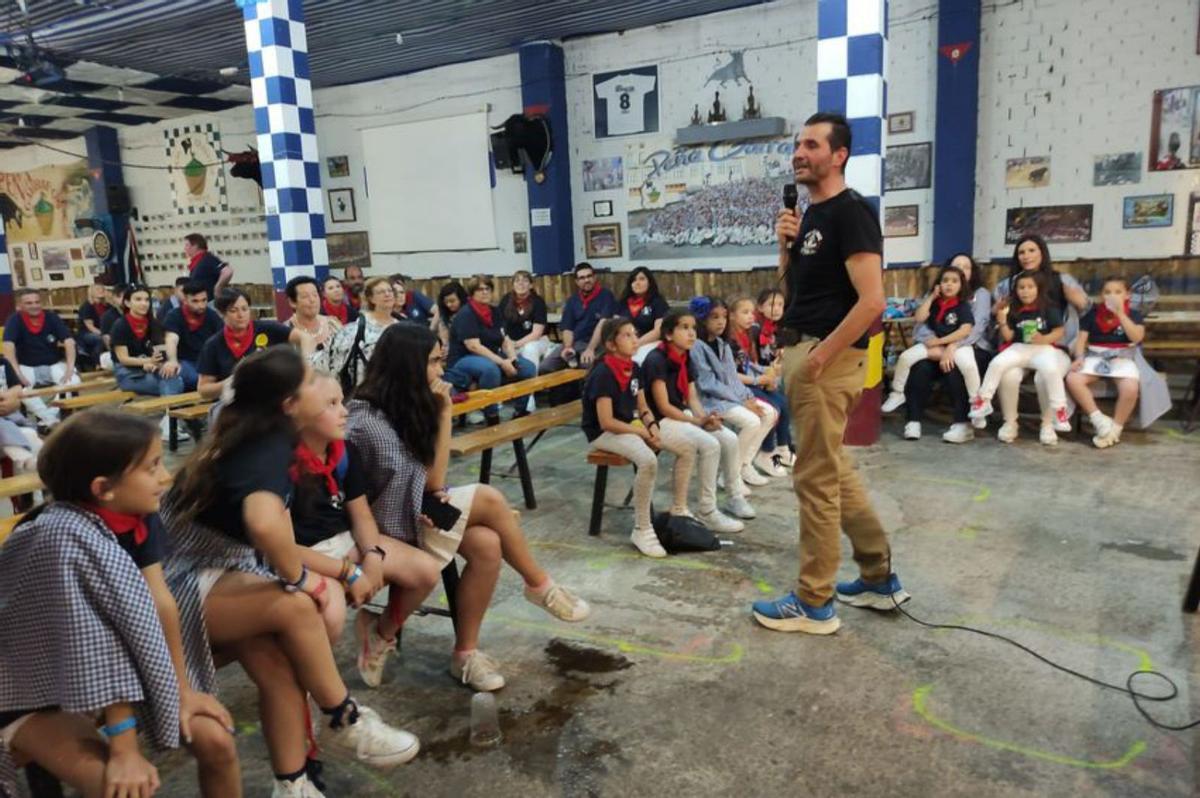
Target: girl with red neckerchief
{"points": [[139, 350], [641, 303], [524, 314]]}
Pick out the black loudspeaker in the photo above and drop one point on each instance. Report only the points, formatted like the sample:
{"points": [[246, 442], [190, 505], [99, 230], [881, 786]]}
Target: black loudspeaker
{"points": [[118, 198]]}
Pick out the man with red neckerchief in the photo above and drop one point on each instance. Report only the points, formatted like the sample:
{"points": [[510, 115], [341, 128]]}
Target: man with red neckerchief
{"points": [[188, 327], [205, 267], [580, 328], [32, 341]]}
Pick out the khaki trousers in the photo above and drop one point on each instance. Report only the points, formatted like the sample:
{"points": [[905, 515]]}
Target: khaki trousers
{"points": [[832, 497]]}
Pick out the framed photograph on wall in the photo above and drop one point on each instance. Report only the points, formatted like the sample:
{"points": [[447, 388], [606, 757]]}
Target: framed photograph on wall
{"points": [[602, 208], [338, 165], [602, 240], [1148, 210], [1191, 244], [348, 249], [908, 166], [1175, 129], [625, 102], [901, 122], [341, 205], [1027, 172], [900, 221], [1055, 223]]}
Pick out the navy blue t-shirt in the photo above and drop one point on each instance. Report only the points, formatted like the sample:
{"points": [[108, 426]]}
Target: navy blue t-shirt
{"points": [[657, 366], [1026, 323], [420, 308], [582, 321], [110, 317], [260, 464], [207, 273], [517, 324], [602, 382], [317, 514], [217, 361], [1116, 337], [87, 312], [40, 349], [467, 325], [191, 343], [954, 318], [651, 312], [151, 550]]}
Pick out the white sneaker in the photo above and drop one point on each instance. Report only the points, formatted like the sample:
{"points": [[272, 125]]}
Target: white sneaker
{"points": [[787, 458], [373, 650], [979, 423], [894, 402], [912, 431], [738, 506], [1008, 432], [769, 464], [475, 418], [959, 433], [647, 543], [719, 522], [559, 602], [751, 476], [477, 671], [1101, 423], [721, 484], [980, 408], [371, 741], [300, 788], [1048, 436], [1111, 438]]}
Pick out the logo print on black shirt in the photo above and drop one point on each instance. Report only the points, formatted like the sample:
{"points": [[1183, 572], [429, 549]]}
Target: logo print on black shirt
{"points": [[812, 242]]}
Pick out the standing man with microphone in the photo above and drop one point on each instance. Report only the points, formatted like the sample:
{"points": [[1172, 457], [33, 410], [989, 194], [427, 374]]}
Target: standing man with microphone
{"points": [[832, 262]]}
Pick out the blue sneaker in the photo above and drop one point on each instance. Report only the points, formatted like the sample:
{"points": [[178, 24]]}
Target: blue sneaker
{"points": [[884, 596], [790, 614]]}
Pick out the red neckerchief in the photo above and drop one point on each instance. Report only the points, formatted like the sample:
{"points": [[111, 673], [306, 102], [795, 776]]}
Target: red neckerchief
{"points": [[742, 339], [34, 325], [122, 523], [1029, 309], [588, 297], [680, 360], [484, 312], [338, 311], [195, 261], [944, 307], [309, 462], [1106, 320], [766, 330], [239, 343], [635, 304], [523, 304], [409, 299], [194, 321], [99, 308], [352, 298], [139, 326], [622, 369]]}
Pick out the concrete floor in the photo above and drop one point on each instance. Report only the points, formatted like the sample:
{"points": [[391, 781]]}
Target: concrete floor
{"points": [[671, 688]]}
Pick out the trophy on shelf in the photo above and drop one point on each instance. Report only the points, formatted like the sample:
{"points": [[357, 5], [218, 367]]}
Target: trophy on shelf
{"points": [[752, 110], [717, 114], [696, 118]]}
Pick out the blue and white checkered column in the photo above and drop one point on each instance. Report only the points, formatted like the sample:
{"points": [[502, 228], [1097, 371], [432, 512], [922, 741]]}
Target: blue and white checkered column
{"points": [[277, 46], [6, 280], [851, 62]]}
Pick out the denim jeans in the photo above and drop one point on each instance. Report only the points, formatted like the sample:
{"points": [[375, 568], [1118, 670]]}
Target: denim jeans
{"points": [[189, 375], [486, 374], [147, 383]]}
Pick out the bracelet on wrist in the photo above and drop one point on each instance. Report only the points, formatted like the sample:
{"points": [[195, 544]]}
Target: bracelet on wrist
{"points": [[120, 727], [375, 550], [354, 576], [294, 587]]}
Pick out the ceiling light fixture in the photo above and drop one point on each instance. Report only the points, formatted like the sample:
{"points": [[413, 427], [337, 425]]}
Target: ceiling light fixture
{"points": [[229, 72], [399, 38]]}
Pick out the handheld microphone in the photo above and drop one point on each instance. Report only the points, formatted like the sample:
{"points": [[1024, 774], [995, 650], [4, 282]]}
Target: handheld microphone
{"points": [[790, 196]]}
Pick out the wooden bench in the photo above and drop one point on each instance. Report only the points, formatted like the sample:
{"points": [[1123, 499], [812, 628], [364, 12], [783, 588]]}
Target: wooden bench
{"points": [[86, 400], [104, 383], [161, 404], [484, 440], [602, 461], [194, 415]]}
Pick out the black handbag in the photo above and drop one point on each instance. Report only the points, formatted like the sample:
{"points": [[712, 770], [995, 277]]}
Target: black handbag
{"points": [[679, 533]]}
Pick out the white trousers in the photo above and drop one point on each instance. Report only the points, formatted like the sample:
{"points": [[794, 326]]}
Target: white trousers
{"points": [[37, 406], [635, 450], [718, 449], [964, 358], [1050, 365], [751, 430]]}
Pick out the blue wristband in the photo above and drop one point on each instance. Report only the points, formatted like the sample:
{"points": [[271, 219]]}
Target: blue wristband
{"points": [[120, 728], [354, 575]]}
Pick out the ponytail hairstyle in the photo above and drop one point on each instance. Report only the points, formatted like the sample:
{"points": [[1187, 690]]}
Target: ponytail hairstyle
{"points": [[154, 331], [261, 383], [395, 384], [95, 443], [612, 328]]}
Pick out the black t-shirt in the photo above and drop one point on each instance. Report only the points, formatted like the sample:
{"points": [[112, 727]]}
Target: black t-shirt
{"points": [[259, 464], [40, 349], [207, 273], [518, 325], [602, 382], [1026, 323], [191, 343], [1116, 337], [318, 515], [955, 317], [122, 335], [467, 325], [651, 312], [110, 317], [418, 307], [820, 293], [152, 549], [217, 361], [657, 366], [87, 312]]}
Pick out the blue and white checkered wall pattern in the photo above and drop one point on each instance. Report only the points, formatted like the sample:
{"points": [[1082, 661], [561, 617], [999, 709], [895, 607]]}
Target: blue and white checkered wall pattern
{"points": [[277, 46], [851, 63], [6, 280]]}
